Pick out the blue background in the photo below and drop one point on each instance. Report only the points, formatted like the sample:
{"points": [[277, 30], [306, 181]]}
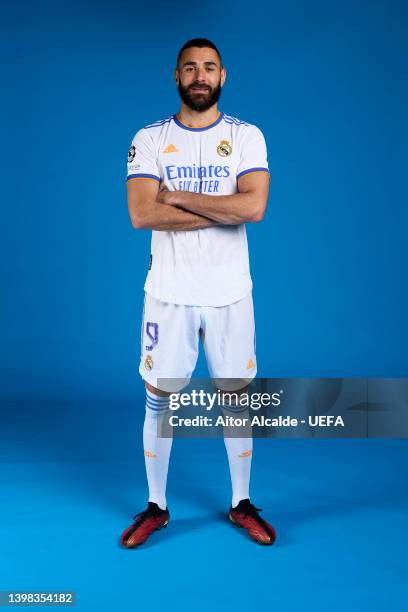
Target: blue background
{"points": [[326, 83]]}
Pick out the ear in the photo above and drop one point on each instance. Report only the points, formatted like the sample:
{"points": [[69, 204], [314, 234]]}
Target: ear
{"points": [[177, 76], [223, 76]]}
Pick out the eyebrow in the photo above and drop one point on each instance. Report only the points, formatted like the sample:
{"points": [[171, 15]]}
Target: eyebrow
{"points": [[190, 63]]}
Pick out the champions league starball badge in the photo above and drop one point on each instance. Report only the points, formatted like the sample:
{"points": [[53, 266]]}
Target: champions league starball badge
{"points": [[148, 364], [131, 154], [224, 148]]}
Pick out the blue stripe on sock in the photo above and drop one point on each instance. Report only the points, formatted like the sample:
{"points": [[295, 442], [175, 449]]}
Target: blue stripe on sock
{"points": [[159, 404], [157, 398], [156, 407]]}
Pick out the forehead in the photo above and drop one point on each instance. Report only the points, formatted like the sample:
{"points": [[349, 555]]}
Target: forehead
{"points": [[199, 55]]}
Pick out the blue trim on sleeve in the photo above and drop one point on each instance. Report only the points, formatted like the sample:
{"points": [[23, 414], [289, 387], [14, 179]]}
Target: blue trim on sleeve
{"points": [[252, 170], [230, 119], [207, 127], [152, 176], [158, 123]]}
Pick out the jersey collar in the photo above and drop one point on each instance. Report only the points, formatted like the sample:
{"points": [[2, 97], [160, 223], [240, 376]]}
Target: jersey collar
{"points": [[202, 129]]}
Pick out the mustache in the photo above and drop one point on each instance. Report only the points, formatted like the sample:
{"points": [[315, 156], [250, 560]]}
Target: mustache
{"points": [[199, 85]]}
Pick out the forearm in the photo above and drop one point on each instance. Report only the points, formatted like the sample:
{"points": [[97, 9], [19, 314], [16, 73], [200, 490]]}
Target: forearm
{"points": [[162, 217], [231, 210]]}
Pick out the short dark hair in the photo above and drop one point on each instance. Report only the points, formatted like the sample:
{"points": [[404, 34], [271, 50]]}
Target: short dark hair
{"points": [[201, 43]]}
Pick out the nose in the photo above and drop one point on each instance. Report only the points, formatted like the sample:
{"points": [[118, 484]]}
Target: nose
{"points": [[200, 74]]}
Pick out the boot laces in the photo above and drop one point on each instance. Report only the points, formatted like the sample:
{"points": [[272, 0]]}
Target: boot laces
{"points": [[150, 512], [248, 509]]}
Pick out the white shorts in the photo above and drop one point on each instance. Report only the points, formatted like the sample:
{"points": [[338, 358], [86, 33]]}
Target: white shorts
{"points": [[170, 342]]}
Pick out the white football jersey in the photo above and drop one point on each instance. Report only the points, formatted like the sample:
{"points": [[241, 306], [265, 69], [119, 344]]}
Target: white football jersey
{"points": [[210, 266]]}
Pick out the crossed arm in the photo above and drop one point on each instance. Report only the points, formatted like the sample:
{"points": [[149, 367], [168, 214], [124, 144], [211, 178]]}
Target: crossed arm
{"points": [[166, 210]]}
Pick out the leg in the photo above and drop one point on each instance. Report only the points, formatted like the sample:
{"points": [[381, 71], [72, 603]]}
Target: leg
{"points": [[156, 448], [229, 343], [169, 349], [157, 453], [238, 444]]}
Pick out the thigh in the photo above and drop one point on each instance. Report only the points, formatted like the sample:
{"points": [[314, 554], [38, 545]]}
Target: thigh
{"points": [[229, 341], [169, 343]]}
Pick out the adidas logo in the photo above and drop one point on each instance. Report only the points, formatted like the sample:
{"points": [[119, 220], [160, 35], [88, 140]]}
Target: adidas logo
{"points": [[170, 149]]}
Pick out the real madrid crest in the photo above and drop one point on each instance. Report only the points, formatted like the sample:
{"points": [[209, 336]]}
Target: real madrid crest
{"points": [[224, 148], [131, 154], [148, 364]]}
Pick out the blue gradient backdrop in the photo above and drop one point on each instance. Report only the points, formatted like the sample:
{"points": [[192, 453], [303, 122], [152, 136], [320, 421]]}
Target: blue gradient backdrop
{"points": [[326, 82]]}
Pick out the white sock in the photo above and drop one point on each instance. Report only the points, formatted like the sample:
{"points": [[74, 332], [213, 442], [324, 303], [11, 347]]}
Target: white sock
{"points": [[239, 451], [156, 450]]}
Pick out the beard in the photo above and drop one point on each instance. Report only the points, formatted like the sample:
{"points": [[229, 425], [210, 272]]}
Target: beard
{"points": [[199, 102]]}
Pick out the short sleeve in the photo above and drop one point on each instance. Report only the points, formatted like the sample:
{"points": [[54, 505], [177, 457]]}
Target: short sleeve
{"points": [[253, 152], [142, 162]]}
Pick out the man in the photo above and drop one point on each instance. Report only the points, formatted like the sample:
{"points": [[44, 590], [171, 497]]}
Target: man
{"points": [[195, 178]]}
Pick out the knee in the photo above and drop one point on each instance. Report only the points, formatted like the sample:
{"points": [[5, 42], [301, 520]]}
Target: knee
{"points": [[156, 391], [236, 386]]}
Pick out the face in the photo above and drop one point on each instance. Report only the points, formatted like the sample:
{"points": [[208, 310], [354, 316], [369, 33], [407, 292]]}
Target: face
{"points": [[199, 78]]}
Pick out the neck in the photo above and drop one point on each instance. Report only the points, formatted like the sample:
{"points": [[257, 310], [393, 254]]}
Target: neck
{"points": [[194, 119]]}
